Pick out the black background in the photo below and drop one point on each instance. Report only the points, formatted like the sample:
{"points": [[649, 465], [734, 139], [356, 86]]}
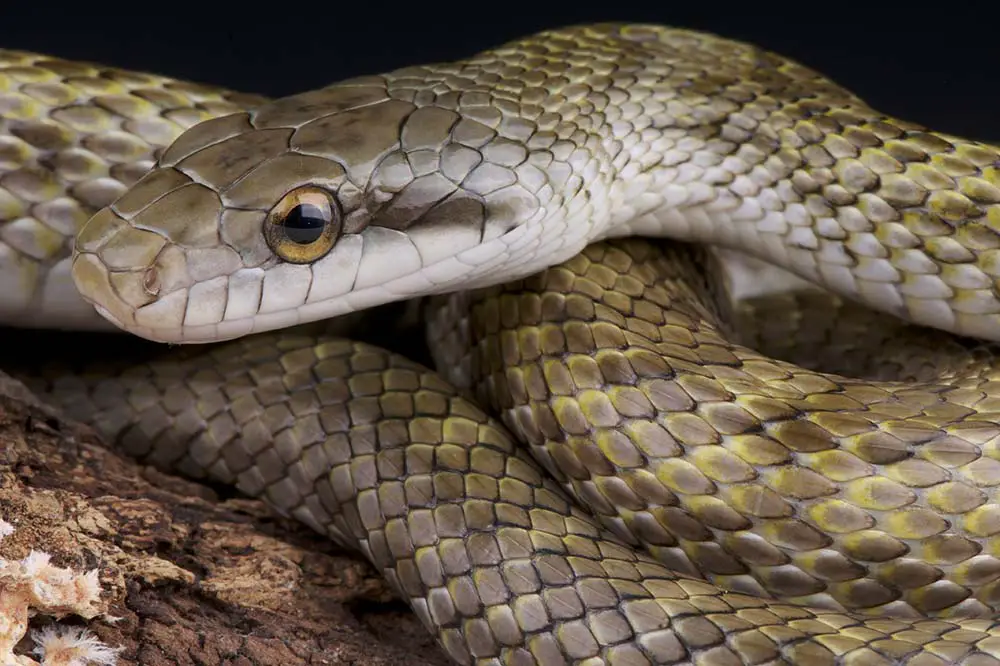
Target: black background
{"points": [[919, 64]]}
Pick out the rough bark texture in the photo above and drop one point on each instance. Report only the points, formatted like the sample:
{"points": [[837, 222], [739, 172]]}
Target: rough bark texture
{"points": [[194, 578]]}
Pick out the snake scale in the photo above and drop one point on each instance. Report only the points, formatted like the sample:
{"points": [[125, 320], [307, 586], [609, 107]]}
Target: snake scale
{"points": [[629, 485]]}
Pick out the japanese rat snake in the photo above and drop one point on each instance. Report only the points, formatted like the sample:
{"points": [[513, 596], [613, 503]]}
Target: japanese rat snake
{"points": [[748, 510]]}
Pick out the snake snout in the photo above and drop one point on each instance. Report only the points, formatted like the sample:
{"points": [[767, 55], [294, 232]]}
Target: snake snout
{"points": [[130, 274]]}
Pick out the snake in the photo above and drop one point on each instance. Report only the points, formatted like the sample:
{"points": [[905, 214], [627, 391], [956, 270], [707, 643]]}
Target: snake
{"points": [[596, 470]]}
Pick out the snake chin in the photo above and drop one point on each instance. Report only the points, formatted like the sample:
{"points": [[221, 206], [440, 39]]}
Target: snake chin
{"points": [[104, 312]]}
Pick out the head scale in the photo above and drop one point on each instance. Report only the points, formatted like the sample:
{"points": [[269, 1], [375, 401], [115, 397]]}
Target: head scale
{"points": [[312, 206]]}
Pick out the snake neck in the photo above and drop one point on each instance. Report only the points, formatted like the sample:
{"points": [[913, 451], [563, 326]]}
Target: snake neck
{"points": [[877, 211], [644, 130]]}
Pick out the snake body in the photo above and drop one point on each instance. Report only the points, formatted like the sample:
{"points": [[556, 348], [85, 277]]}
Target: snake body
{"points": [[738, 509]]}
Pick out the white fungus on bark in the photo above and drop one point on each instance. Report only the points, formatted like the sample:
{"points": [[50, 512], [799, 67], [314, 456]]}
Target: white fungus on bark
{"points": [[34, 585]]}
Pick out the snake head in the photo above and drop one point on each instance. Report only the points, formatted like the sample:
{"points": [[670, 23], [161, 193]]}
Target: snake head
{"points": [[309, 207]]}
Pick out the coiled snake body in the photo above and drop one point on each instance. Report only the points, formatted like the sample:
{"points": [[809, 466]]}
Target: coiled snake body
{"points": [[739, 509]]}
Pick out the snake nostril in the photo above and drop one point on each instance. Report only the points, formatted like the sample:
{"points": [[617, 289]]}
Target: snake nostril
{"points": [[151, 281]]}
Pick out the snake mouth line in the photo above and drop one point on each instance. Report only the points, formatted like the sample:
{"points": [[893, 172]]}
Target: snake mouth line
{"points": [[177, 316]]}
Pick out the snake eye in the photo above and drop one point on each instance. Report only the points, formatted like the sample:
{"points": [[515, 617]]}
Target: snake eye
{"points": [[304, 225]]}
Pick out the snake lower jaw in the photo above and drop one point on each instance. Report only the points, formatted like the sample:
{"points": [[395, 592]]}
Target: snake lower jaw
{"points": [[159, 319]]}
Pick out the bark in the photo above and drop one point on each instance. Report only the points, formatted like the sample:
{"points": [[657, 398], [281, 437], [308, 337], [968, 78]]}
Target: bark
{"points": [[191, 575]]}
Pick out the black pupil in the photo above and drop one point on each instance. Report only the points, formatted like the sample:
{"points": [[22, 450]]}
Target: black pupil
{"points": [[304, 224]]}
